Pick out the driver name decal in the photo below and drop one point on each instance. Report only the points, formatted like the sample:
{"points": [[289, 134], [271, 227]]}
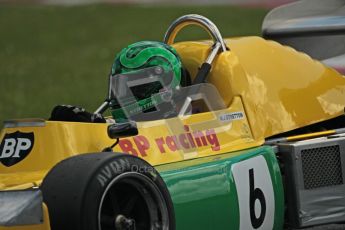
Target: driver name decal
{"points": [[231, 116], [139, 145]]}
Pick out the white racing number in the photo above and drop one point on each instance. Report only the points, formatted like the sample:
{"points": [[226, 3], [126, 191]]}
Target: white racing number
{"points": [[255, 194]]}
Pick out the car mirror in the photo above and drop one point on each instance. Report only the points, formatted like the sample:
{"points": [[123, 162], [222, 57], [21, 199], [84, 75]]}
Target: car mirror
{"points": [[121, 130]]}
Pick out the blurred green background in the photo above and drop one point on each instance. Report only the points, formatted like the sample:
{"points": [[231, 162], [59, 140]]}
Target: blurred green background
{"points": [[53, 55]]}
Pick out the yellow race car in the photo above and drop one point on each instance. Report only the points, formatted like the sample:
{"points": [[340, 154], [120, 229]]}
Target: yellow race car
{"points": [[238, 133]]}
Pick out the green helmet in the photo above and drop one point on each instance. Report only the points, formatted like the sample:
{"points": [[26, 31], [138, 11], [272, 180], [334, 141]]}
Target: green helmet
{"points": [[140, 60]]}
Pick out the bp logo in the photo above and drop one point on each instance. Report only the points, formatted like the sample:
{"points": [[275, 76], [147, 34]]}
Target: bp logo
{"points": [[15, 147], [255, 194]]}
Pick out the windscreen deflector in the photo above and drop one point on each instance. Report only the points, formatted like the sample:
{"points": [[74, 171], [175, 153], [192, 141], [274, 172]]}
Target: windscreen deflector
{"points": [[147, 95]]}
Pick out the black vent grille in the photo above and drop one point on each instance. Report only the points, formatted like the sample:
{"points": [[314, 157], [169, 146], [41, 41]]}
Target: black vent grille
{"points": [[321, 167]]}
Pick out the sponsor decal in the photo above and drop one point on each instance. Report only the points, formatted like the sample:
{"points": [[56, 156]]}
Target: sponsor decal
{"points": [[15, 147], [139, 145], [255, 194], [231, 116]]}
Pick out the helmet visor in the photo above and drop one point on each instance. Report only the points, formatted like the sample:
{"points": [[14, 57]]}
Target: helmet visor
{"points": [[132, 91]]}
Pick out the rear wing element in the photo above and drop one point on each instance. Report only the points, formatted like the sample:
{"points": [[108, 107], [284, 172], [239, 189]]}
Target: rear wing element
{"points": [[315, 27]]}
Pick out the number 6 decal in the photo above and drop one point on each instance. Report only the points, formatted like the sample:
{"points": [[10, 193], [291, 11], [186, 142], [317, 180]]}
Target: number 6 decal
{"points": [[255, 194]]}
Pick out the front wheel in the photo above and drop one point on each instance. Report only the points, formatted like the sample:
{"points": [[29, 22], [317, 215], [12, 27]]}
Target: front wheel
{"points": [[107, 191]]}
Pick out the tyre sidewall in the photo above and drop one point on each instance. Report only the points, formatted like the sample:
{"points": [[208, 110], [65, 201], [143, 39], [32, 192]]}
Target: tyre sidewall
{"points": [[109, 171]]}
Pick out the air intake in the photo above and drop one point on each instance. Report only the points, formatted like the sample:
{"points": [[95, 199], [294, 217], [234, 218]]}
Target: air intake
{"points": [[313, 178], [321, 167]]}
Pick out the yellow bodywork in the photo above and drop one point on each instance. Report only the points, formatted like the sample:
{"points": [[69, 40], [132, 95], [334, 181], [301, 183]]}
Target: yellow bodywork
{"points": [[281, 89], [276, 88], [59, 140]]}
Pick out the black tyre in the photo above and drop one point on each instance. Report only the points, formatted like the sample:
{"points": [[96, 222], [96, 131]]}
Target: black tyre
{"points": [[107, 191]]}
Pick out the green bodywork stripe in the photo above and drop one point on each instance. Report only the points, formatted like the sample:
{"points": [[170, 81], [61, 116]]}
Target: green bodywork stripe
{"points": [[204, 192]]}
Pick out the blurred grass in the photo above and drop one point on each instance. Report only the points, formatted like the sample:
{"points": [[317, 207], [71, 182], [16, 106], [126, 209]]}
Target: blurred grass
{"points": [[53, 55]]}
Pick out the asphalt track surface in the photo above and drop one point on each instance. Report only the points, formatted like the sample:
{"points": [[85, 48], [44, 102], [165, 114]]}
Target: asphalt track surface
{"points": [[328, 227], [254, 3]]}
